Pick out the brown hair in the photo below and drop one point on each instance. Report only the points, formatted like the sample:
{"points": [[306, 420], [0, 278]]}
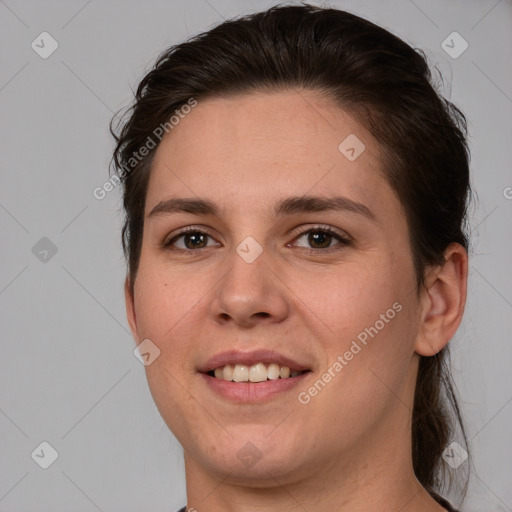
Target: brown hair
{"points": [[387, 86]]}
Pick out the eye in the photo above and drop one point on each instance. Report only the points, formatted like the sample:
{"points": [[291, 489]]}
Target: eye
{"points": [[321, 237], [189, 239]]}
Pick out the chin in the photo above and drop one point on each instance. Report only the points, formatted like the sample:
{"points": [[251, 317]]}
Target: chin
{"points": [[252, 455]]}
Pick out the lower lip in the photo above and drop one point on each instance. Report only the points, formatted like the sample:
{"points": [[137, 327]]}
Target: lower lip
{"points": [[252, 392]]}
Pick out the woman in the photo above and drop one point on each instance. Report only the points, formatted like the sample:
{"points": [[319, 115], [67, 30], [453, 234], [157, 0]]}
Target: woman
{"points": [[295, 195]]}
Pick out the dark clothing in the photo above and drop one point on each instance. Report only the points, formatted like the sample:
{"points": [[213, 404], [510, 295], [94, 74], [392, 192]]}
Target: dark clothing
{"points": [[438, 498]]}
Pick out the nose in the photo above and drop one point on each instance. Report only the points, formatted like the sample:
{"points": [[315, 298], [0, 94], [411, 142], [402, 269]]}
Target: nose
{"points": [[250, 293]]}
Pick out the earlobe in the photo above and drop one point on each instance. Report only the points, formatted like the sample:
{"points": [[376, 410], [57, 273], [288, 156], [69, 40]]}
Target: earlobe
{"points": [[443, 301], [130, 309]]}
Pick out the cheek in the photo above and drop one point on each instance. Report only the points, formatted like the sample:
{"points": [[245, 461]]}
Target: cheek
{"points": [[345, 301], [167, 307], [366, 374], [364, 319], [165, 300]]}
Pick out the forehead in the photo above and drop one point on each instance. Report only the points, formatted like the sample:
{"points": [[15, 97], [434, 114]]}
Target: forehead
{"points": [[260, 147]]}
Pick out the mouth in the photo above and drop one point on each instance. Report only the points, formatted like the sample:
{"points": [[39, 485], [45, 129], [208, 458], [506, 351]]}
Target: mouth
{"points": [[254, 376], [258, 372]]}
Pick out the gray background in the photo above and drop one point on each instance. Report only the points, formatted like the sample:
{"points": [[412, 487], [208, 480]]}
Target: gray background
{"points": [[68, 374]]}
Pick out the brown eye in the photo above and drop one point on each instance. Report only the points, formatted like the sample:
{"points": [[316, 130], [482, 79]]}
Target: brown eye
{"points": [[195, 240], [321, 238], [189, 240]]}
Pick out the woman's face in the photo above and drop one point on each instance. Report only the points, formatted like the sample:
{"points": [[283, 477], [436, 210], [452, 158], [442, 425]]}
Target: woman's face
{"points": [[260, 281]]}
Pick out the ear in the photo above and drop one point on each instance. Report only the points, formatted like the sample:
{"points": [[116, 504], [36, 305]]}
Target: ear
{"points": [[130, 309], [443, 301]]}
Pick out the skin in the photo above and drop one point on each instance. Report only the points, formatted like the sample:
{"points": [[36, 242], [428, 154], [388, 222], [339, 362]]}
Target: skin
{"points": [[349, 447]]}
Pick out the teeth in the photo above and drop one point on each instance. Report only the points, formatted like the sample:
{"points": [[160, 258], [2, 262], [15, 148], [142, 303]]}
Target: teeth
{"points": [[227, 372], [241, 373], [256, 373], [273, 371]]}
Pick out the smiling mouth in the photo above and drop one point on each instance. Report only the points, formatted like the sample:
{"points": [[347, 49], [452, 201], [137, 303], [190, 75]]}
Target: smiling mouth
{"points": [[259, 372]]}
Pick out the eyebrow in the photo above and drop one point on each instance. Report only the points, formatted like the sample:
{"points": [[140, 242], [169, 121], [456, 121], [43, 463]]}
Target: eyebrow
{"points": [[288, 206]]}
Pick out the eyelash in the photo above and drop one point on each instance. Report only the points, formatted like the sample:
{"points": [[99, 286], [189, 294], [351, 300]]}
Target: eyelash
{"points": [[343, 240]]}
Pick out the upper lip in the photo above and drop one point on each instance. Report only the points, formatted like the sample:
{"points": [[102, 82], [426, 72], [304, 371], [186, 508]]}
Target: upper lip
{"points": [[234, 357]]}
